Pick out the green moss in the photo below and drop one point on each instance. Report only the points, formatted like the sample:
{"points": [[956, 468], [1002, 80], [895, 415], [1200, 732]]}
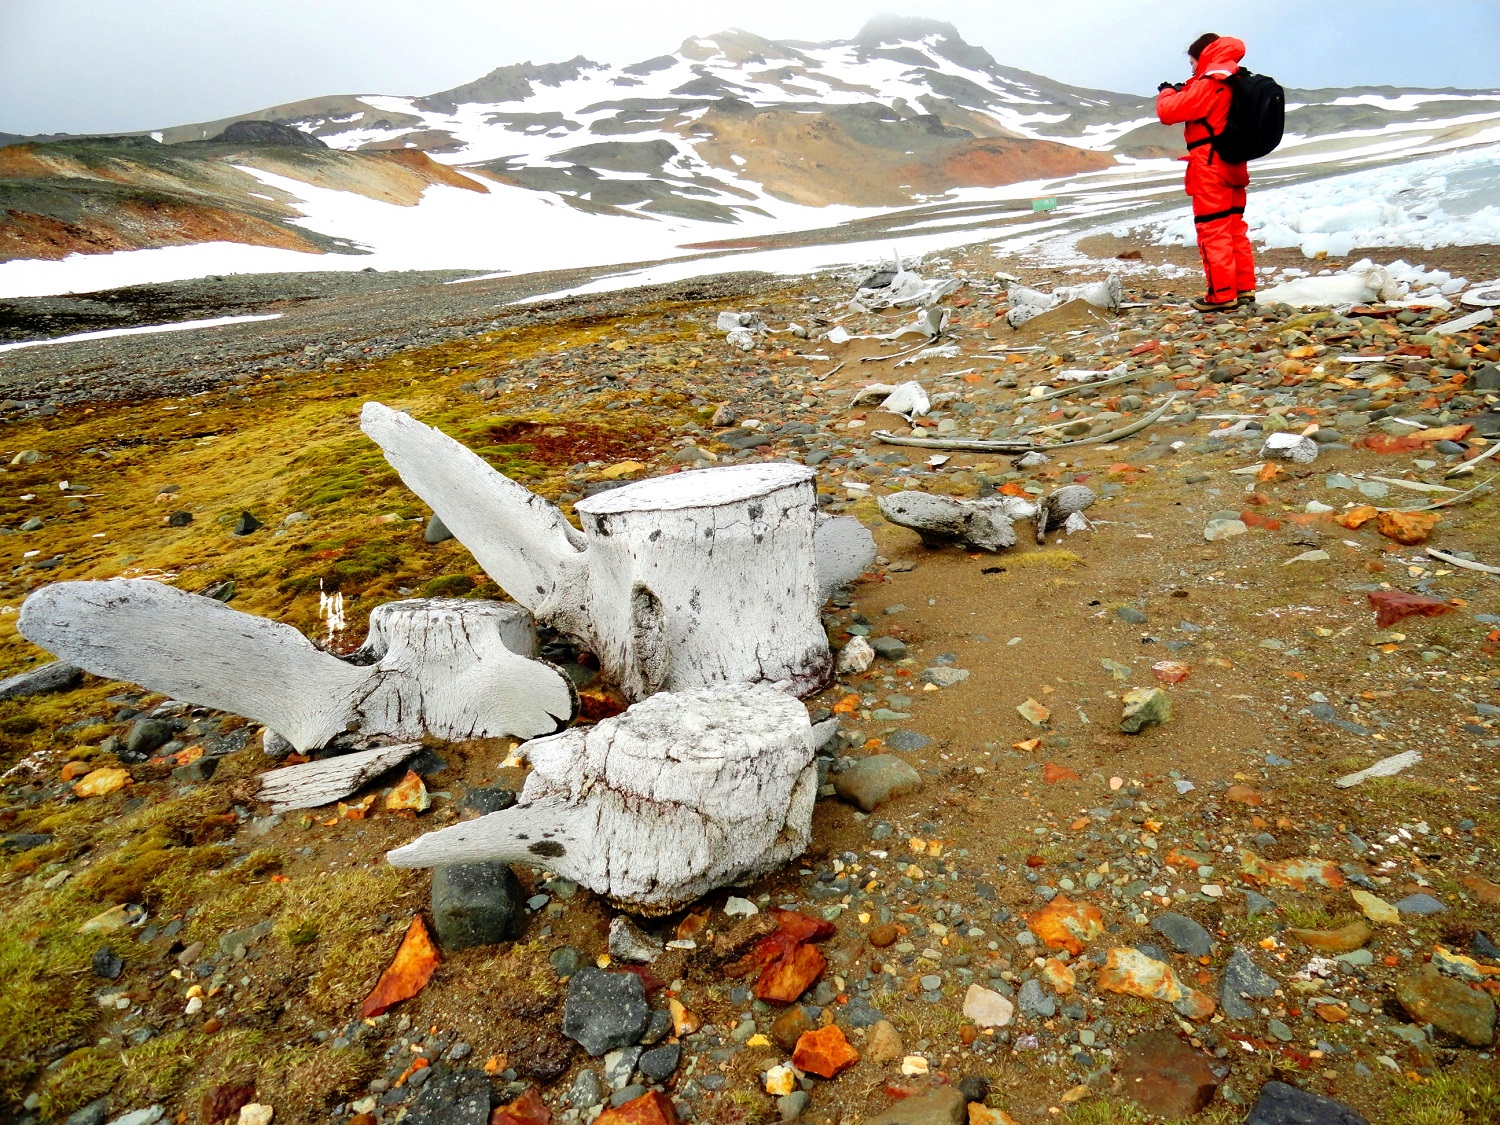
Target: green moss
{"points": [[84, 1076], [1448, 1099], [448, 586], [157, 1069]]}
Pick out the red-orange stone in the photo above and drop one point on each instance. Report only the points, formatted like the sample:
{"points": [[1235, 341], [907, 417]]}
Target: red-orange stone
{"points": [[824, 1052], [654, 1108]]}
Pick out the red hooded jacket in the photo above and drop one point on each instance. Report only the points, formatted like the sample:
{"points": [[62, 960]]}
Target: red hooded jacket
{"points": [[1203, 104]]}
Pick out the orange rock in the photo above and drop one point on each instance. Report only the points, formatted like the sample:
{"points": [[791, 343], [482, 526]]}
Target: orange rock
{"points": [[1406, 527], [824, 1052], [654, 1108], [74, 769], [983, 1115], [1061, 977], [1356, 518], [691, 924], [1131, 972], [528, 1109], [1062, 924], [1053, 773], [1171, 671], [1243, 794], [884, 934], [407, 974], [1484, 890], [1295, 873], [787, 978], [1331, 1013], [684, 1022], [1391, 606], [1342, 940], [408, 795], [102, 782]]}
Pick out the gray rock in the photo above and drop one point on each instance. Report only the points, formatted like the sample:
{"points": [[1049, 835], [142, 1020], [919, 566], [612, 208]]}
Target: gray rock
{"points": [[246, 524], [180, 518], [790, 1106], [660, 1063], [628, 942], [872, 781], [657, 1028], [1420, 904], [1034, 1000], [54, 676], [1185, 935], [477, 904], [1130, 615], [628, 1094], [147, 735], [236, 943], [92, 1114], [889, 647], [945, 677], [907, 740], [1242, 977], [585, 1094], [1256, 903], [483, 801], [943, 1106], [619, 1065], [107, 963], [24, 841], [1280, 1104], [459, 1098], [604, 1010], [436, 531], [33, 524]]}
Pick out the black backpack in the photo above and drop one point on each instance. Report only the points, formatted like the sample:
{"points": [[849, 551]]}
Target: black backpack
{"points": [[1257, 118]]}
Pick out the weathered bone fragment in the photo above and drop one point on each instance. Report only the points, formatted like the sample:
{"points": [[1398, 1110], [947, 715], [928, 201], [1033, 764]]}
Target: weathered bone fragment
{"points": [[944, 520], [681, 581], [1057, 508], [684, 792], [311, 784], [446, 667]]}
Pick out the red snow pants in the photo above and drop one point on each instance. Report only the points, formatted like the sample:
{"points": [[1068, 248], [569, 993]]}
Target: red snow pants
{"points": [[1223, 238]]}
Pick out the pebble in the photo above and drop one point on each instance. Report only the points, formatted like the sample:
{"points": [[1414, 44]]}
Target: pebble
{"points": [[604, 1010], [1420, 904], [1185, 935], [1243, 978], [872, 781]]}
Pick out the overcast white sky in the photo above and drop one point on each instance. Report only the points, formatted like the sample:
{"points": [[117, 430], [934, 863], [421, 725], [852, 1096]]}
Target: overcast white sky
{"points": [[102, 65]]}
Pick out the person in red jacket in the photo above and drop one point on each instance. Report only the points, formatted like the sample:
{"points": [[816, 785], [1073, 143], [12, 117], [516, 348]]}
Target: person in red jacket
{"points": [[1217, 188]]}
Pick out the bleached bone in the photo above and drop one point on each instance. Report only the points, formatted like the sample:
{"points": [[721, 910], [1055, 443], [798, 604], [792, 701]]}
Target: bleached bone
{"points": [[683, 581], [683, 793], [437, 666], [311, 784], [1027, 303], [1066, 502], [942, 520], [909, 399]]}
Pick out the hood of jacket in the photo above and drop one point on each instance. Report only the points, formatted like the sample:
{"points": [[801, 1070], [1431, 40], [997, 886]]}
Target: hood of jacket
{"points": [[1220, 59]]}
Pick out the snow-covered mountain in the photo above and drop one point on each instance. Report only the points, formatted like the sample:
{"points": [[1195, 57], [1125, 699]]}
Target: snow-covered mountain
{"points": [[730, 130]]}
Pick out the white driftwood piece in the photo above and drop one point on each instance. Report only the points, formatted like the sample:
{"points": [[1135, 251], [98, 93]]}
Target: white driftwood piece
{"points": [[437, 666], [682, 581], [683, 793], [942, 520], [311, 784]]}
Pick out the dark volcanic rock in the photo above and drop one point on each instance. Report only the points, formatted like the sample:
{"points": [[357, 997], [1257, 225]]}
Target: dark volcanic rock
{"points": [[267, 133], [1280, 1104], [477, 904], [605, 1010], [56, 676]]}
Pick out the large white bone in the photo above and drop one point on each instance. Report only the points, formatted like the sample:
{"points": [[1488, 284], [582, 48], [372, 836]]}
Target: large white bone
{"points": [[683, 581], [445, 667], [683, 793]]}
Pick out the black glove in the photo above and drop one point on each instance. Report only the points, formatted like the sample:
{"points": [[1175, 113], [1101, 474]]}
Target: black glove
{"points": [[1169, 86]]}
